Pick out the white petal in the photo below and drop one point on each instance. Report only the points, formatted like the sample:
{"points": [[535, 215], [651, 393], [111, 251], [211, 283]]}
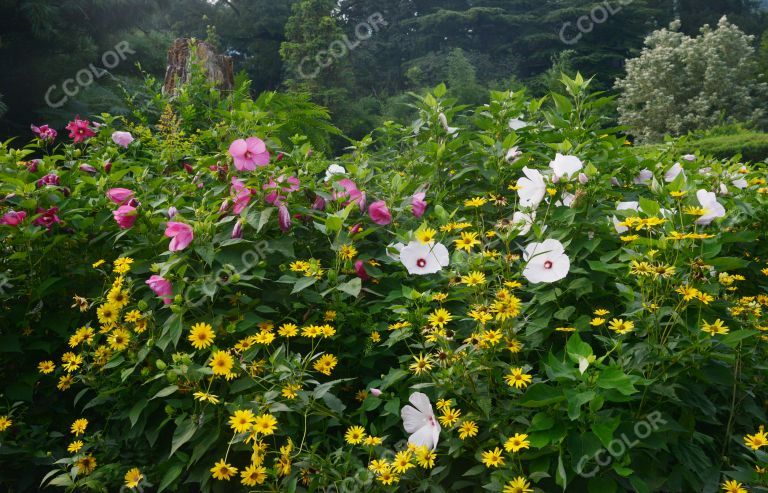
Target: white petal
{"points": [[631, 205], [583, 364], [523, 222], [672, 173], [517, 124], [413, 419], [423, 436], [421, 402], [565, 166], [441, 254]]}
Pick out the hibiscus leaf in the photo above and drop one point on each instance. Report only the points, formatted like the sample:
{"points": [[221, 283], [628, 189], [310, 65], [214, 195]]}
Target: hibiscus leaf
{"points": [[351, 287], [303, 284], [185, 430]]}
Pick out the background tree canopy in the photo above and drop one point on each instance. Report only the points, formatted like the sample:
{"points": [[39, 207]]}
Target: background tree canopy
{"points": [[472, 45]]}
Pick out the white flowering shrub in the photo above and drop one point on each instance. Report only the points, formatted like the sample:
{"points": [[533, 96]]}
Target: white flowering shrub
{"points": [[681, 83]]}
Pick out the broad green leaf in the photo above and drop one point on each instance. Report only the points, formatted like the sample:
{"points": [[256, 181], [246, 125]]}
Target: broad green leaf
{"points": [[541, 394], [615, 378], [165, 392], [303, 283], [183, 433], [351, 287]]}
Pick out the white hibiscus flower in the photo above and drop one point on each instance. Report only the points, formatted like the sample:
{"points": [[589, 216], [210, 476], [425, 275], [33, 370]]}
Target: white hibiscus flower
{"points": [[546, 261], [334, 169], [523, 222], [565, 166], [740, 183], [672, 173], [513, 155], [531, 188], [643, 177], [421, 259], [419, 420], [713, 208]]}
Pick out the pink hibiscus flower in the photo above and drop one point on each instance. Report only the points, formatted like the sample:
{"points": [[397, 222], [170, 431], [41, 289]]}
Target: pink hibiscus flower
{"points": [[123, 139], [418, 205], [119, 195], [13, 218], [48, 217], [283, 217], [125, 216], [44, 132], [277, 187], [379, 213], [241, 195], [360, 270], [180, 234], [249, 153], [161, 287], [79, 130], [351, 192]]}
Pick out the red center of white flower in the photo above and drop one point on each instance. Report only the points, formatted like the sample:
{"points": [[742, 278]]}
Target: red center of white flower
{"points": [[548, 264], [421, 263]]}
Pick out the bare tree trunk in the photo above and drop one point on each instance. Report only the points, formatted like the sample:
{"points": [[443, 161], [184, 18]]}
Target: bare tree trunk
{"points": [[218, 68]]}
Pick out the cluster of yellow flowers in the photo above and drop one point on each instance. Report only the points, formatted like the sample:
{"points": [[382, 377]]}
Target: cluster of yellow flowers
{"points": [[116, 333], [310, 268], [390, 471], [252, 429]]}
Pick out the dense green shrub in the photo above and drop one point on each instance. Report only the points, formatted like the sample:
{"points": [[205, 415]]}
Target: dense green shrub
{"points": [[752, 146], [578, 318]]}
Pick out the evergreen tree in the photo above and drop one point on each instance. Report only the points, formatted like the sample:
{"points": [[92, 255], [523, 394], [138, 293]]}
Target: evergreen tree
{"points": [[314, 51]]}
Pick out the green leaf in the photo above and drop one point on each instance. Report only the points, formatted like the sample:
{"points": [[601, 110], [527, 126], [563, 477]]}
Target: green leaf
{"points": [[615, 378], [394, 376], [728, 263], [650, 207], [541, 421], [264, 218], [733, 338], [135, 412], [351, 287], [333, 223], [604, 429], [541, 394], [565, 313], [561, 478], [170, 476], [559, 371], [602, 485], [474, 471], [165, 392], [184, 433], [303, 284], [392, 407], [576, 400]]}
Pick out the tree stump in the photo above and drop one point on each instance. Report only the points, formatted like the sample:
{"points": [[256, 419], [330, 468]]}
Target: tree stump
{"points": [[218, 68]]}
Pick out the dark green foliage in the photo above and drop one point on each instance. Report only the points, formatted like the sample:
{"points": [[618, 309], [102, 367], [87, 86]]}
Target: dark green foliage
{"points": [[470, 45], [752, 146]]}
